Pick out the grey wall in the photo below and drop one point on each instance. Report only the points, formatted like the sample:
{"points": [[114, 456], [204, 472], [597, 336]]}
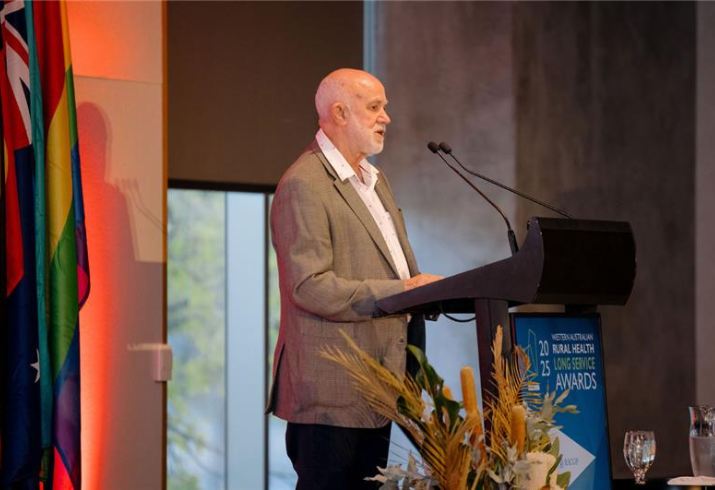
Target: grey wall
{"points": [[447, 68], [705, 204], [606, 129], [590, 106]]}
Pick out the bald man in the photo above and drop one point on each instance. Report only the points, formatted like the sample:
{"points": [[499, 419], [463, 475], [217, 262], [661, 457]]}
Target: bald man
{"points": [[341, 246]]}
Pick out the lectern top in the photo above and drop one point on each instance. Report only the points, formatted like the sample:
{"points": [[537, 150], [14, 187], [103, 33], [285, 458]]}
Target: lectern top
{"points": [[562, 261]]}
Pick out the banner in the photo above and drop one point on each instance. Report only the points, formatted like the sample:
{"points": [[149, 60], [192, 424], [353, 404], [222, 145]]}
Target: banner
{"points": [[565, 353]]}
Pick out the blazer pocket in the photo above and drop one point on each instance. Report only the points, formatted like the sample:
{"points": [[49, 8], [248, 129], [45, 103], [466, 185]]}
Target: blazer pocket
{"points": [[324, 383]]}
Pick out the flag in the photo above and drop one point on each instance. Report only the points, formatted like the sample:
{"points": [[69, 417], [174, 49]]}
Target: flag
{"points": [[47, 270], [20, 427]]}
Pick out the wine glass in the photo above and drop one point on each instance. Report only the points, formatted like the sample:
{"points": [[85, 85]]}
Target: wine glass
{"points": [[639, 452]]}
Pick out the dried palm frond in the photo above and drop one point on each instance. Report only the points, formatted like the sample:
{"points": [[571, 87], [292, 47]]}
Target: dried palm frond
{"points": [[381, 388], [441, 435], [510, 377]]}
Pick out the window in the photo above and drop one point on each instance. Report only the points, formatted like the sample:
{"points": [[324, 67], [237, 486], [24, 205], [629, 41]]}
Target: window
{"points": [[223, 311]]}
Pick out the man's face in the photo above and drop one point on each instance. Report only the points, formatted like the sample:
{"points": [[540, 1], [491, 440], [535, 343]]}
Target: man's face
{"points": [[367, 120]]}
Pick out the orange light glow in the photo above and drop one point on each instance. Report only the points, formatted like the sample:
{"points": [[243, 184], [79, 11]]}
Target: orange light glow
{"points": [[97, 314], [116, 40], [114, 46]]}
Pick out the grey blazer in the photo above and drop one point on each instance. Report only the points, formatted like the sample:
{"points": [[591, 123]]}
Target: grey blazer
{"points": [[333, 265]]}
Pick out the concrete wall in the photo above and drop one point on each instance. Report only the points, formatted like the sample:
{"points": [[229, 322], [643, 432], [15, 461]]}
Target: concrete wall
{"points": [[606, 129], [118, 59], [705, 204]]}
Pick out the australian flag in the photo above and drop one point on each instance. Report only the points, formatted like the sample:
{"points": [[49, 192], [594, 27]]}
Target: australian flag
{"points": [[20, 427]]}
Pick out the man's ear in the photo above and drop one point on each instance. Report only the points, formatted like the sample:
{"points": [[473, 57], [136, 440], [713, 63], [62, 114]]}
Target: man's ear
{"points": [[339, 112]]}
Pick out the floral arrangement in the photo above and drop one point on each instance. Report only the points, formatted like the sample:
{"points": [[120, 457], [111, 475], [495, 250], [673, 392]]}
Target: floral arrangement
{"points": [[515, 450]]}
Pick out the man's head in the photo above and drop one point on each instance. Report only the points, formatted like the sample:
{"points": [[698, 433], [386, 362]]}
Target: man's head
{"points": [[351, 111]]}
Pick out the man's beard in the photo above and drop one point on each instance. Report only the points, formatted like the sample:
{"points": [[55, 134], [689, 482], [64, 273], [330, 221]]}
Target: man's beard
{"points": [[365, 140]]}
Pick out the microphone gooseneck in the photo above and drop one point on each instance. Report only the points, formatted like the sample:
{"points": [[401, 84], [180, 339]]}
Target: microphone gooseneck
{"points": [[434, 148], [448, 150]]}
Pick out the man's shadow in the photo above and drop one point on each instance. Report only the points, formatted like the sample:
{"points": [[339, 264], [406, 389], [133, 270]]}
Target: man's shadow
{"points": [[125, 307]]}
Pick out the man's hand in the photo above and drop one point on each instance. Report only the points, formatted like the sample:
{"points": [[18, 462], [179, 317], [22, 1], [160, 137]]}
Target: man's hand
{"points": [[420, 280]]}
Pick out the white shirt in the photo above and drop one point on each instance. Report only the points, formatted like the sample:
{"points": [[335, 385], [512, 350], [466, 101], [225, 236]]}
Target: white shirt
{"points": [[367, 193]]}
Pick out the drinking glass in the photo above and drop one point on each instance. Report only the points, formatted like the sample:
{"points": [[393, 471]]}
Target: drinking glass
{"points": [[702, 440], [639, 452]]}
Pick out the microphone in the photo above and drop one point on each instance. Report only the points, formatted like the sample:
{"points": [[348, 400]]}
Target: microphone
{"points": [[448, 150], [434, 148]]}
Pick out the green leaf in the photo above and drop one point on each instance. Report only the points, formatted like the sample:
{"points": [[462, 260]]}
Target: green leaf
{"points": [[452, 407], [555, 448], [552, 469], [402, 407], [564, 479], [432, 375], [427, 378]]}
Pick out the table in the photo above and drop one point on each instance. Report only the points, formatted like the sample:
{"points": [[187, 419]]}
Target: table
{"points": [[650, 484]]}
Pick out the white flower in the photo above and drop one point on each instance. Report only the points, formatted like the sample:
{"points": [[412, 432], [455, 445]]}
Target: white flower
{"points": [[393, 477], [539, 466]]}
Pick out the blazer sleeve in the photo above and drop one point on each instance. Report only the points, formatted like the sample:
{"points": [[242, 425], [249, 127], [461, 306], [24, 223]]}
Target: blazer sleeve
{"points": [[303, 244]]}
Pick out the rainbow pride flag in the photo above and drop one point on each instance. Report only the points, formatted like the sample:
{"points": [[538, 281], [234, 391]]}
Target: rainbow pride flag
{"points": [[47, 270]]}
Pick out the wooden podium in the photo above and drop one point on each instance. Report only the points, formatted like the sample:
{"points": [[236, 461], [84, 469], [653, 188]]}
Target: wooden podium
{"points": [[576, 263]]}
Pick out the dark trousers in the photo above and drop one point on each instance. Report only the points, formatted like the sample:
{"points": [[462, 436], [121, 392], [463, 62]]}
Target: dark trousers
{"points": [[336, 458]]}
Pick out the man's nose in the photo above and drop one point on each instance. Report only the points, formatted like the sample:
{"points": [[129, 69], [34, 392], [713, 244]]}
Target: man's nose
{"points": [[384, 117]]}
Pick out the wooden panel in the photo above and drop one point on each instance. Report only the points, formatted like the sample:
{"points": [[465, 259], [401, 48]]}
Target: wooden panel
{"points": [[242, 77]]}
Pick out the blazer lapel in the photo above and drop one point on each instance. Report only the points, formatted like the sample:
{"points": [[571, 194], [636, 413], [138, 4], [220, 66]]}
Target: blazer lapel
{"points": [[385, 194], [353, 200]]}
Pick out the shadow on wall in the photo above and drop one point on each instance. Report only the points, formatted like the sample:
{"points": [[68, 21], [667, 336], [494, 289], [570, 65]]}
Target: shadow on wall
{"points": [[118, 394]]}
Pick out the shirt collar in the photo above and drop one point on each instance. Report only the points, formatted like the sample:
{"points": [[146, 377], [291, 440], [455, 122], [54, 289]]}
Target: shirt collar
{"points": [[341, 166]]}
